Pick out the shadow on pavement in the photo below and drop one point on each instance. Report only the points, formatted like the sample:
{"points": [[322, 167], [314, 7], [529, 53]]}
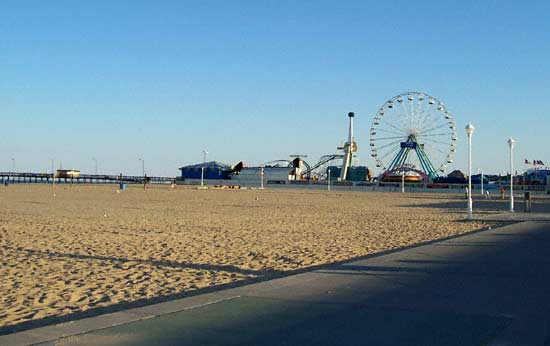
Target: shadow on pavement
{"points": [[435, 295]]}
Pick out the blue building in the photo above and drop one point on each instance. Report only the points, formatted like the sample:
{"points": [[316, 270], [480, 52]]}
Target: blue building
{"points": [[212, 170]]}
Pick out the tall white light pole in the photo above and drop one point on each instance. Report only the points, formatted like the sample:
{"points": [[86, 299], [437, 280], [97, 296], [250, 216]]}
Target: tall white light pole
{"points": [[142, 167], [53, 177], [469, 131], [204, 153], [328, 186], [511, 143], [143, 171], [95, 162], [481, 170], [13, 168], [262, 178]]}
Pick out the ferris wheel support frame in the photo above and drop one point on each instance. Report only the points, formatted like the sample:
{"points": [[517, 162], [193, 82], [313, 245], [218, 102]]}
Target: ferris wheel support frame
{"points": [[425, 162], [401, 157]]}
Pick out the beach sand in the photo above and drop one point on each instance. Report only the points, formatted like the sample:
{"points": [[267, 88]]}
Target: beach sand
{"points": [[91, 247]]}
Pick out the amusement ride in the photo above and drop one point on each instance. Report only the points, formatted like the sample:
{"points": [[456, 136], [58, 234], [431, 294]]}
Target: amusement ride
{"points": [[412, 137], [302, 170]]}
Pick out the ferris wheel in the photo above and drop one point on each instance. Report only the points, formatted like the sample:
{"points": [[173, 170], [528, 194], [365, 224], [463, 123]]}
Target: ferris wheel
{"points": [[413, 130]]}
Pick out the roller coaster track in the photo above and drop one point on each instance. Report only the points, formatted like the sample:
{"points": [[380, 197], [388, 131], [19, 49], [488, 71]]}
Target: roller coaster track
{"points": [[325, 159], [308, 169]]}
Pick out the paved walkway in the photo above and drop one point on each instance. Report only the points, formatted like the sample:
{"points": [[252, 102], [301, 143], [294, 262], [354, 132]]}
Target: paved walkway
{"points": [[513, 217], [487, 288]]}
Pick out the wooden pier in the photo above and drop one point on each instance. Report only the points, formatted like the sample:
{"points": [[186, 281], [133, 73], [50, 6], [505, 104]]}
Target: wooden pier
{"points": [[46, 178]]}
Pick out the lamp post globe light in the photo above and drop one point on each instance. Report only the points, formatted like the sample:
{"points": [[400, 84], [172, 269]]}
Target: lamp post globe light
{"points": [[511, 143], [469, 131]]}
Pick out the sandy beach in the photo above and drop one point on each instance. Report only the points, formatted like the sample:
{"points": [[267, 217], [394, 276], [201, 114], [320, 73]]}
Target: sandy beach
{"points": [[90, 247]]}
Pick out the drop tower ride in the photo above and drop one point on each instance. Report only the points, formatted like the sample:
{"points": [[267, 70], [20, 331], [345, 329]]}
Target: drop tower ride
{"points": [[349, 148]]}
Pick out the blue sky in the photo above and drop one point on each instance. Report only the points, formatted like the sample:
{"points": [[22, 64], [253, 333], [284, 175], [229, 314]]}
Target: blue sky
{"points": [[259, 80]]}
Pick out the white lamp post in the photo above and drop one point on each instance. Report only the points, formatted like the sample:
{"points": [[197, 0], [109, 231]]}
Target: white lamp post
{"points": [[142, 167], [469, 131], [53, 177], [204, 153], [511, 143], [95, 164], [480, 170], [261, 178], [402, 182], [328, 186], [143, 171], [13, 168]]}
